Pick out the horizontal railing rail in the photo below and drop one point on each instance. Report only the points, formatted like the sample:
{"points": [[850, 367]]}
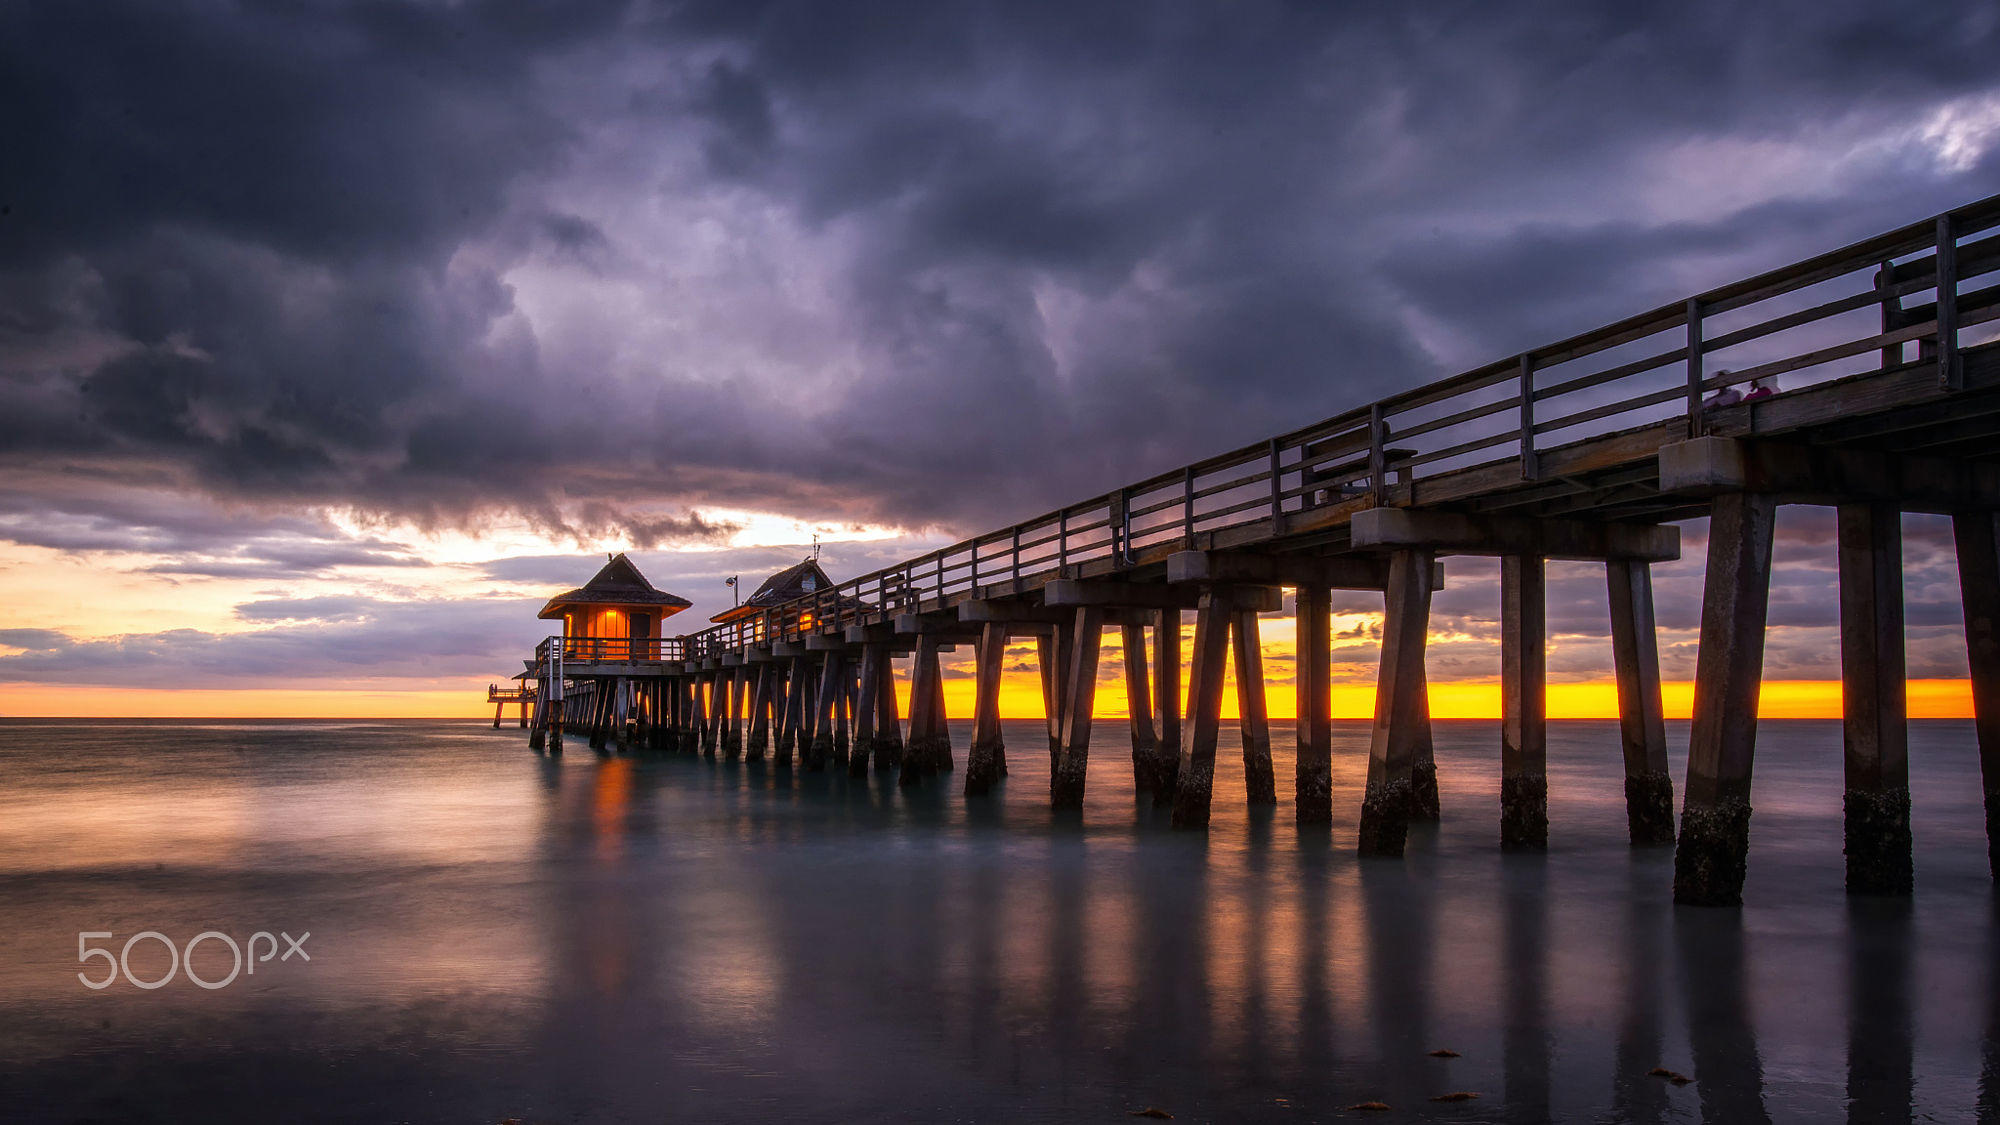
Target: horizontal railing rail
{"points": [[1835, 315], [613, 650]]}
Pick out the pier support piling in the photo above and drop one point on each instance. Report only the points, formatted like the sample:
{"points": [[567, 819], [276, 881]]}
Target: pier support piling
{"points": [[941, 723], [1642, 727], [1313, 790], [1875, 723], [1167, 700], [711, 727], [1400, 710], [1713, 853], [986, 763], [921, 756], [826, 712], [1977, 536], [868, 708], [1052, 650], [760, 712], [1524, 731], [888, 724], [1260, 783], [843, 712], [1086, 636], [1139, 706], [1423, 757], [794, 717], [1196, 773]]}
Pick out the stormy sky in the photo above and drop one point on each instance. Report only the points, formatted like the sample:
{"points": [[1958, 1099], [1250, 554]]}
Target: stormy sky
{"points": [[420, 305]]}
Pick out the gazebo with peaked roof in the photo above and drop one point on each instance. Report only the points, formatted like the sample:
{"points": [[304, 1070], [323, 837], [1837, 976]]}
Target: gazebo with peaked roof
{"points": [[803, 580], [616, 605], [789, 584]]}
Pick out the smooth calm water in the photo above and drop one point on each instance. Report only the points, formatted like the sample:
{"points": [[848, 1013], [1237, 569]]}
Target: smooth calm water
{"points": [[498, 935]]}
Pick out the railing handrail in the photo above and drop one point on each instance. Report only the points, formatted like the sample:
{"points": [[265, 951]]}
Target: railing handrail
{"points": [[1090, 527]]}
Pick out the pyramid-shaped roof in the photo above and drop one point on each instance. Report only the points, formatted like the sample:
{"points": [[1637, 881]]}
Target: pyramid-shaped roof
{"points": [[620, 584], [789, 584]]}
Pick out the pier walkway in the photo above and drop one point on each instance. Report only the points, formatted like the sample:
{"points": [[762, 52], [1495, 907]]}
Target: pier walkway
{"points": [[1586, 448]]}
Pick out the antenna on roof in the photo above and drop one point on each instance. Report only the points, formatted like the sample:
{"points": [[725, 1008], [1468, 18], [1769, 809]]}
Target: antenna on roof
{"points": [[815, 546]]}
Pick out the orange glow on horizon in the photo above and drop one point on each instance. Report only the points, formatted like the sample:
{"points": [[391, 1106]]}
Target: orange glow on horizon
{"points": [[1020, 698]]}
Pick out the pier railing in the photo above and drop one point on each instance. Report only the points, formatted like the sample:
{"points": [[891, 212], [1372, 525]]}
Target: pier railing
{"points": [[1860, 308], [612, 650]]}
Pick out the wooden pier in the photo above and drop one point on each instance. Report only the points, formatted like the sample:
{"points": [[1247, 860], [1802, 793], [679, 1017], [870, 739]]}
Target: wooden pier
{"points": [[1587, 448]]}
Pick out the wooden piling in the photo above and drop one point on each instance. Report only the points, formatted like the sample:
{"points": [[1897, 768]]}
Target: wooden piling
{"points": [[791, 725], [1642, 727], [920, 756], [1423, 756], [1196, 773], [888, 724], [689, 702], [1086, 635], [1260, 783], [1167, 701], [843, 711], [1524, 729], [985, 764], [826, 712], [1977, 536], [1875, 712], [868, 707], [1313, 790], [1139, 707], [711, 714], [600, 714], [615, 730], [498, 707], [1711, 858], [941, 725], [730, 685], [1052, 651], [760, 711], [1399, 704]]}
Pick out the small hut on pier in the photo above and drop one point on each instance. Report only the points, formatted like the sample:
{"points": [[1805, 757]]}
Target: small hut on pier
{"points": [[803, 580], [617, 610]]}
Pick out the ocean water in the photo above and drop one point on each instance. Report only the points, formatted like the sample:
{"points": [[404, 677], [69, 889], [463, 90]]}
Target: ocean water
{"points": [[495, 934]]}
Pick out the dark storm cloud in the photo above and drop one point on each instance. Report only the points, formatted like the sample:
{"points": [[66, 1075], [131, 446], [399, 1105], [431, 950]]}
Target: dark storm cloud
{"points": [[273, 252]]}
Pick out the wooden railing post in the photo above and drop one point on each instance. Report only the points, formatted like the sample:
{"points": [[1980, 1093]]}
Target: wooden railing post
{"points": [[1277, 492], [975, 568], [1530, 468], [1694, 374], [1377, 460], [1951, 374], [1017, 558], [1062, 542], [1187, 505], [1892, 312], [1125, 526]]}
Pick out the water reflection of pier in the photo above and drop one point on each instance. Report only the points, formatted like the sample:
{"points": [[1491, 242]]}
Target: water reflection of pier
{"points": [[1106, 974]]}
